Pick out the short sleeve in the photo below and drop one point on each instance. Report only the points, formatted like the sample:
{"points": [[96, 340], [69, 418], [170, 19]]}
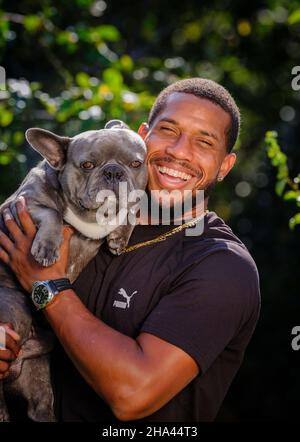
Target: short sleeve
{"points": [[211, 306]]}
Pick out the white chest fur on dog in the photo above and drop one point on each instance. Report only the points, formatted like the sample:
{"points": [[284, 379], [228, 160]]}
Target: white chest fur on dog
{"points": [[94, 230]]}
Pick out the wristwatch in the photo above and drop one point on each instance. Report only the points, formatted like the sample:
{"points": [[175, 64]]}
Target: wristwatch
{"points": [[43, 292]]}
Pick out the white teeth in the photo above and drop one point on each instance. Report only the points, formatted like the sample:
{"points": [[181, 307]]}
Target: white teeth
{"points": [[174, 173]]}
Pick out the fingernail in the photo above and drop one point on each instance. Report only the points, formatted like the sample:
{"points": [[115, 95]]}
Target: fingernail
{"points": [[13, 334], [21, 201], [7, 215]]}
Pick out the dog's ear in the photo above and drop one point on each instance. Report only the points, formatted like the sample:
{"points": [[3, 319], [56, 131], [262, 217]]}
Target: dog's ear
{"points": [[51, 146], [116, 124]]}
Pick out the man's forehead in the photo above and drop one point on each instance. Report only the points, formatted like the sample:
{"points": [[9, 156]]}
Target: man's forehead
{"points": [[178, 100], [181, 107]]}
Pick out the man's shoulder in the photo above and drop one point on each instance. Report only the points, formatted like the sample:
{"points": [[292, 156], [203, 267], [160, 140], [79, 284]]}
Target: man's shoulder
{"points": [[220, 258], [216, 237]]}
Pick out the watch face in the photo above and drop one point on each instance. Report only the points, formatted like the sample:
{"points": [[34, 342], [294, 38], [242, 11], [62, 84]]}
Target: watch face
{"points": [[41, 294]]}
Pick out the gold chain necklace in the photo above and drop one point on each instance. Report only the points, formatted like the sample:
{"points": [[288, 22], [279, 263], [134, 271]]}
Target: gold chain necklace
{"points": [[166, 235]]}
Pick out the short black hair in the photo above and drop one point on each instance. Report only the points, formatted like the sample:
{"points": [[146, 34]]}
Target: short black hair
{"points": [[203, 88]]}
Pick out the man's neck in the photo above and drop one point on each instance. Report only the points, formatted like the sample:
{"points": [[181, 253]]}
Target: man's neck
{"points": [[195, 212]]}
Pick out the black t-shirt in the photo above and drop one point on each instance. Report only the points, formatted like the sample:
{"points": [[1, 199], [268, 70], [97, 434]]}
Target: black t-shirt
{"points": [[200, 293]]}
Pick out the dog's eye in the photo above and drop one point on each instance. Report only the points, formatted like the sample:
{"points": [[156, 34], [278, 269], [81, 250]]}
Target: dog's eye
{"points": [[135, 164], [87, 165]]}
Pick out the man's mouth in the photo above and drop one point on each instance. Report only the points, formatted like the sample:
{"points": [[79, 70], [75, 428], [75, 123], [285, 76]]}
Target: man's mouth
{"points": [[172, 178], [174, 173]]}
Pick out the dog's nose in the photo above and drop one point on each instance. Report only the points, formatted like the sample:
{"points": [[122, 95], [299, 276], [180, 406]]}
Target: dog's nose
{"points": [[113, 173]]}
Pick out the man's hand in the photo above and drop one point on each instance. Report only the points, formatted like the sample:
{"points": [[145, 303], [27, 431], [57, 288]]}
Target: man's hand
{"points": [[11, 351], [15, 251]]}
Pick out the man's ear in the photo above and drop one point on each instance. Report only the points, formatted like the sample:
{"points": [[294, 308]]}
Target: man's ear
{"points": [[143, 130], [116, 124], [227, 165], [51, 146]]}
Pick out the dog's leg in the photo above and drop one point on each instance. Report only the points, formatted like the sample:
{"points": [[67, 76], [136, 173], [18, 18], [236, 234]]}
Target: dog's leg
{"points": [[33, 385], [29, 379], [49, 237]]}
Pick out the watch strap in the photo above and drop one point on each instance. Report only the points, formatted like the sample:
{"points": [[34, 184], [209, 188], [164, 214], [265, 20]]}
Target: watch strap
{"points": [[58, 285]]}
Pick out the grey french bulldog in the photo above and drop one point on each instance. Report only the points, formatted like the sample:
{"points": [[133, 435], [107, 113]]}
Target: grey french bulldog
{"points": [[64, 187]]}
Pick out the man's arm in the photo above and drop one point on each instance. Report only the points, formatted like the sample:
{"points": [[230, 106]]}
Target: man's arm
{"points": [[135, 377]]}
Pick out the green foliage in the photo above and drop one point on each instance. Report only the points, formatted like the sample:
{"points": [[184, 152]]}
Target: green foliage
{"points": [[279, 160], [71, 67]]}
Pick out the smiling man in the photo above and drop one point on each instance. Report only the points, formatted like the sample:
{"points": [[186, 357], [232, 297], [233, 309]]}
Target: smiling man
{"points": [[159, 332]]}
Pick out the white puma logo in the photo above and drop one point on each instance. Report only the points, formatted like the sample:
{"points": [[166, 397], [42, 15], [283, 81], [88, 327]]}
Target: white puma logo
{"points": [[121, 304]]}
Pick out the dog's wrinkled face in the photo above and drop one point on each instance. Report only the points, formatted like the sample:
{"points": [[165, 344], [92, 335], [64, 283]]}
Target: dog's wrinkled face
{"points": [[93, 161]]}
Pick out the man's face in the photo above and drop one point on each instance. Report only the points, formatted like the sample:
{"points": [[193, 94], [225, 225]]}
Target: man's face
{"points": [[187, 144]]}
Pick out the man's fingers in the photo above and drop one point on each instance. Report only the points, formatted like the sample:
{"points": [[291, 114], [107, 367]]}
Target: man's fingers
{"points": [[25, 218], [4, 366], [5, 243], [4, 256], [10, 344], [11, 225], [67, 233], [7, 355], [10, 331]]}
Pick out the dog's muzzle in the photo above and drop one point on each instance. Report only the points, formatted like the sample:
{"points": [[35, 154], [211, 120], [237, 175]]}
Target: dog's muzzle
{"points": [[113, 174]]}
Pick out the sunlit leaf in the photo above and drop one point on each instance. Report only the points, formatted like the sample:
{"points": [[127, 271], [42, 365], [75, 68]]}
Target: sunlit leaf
{"points": [[280, 186], [5, 159], [126, 63], [294, 17], [113, 78], [83, 79], [32, 23], [6, 117], [290, 195], [294, 221]]}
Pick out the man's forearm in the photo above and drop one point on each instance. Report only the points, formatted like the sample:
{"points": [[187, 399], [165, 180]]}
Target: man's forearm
{"points": [[110, 362]]}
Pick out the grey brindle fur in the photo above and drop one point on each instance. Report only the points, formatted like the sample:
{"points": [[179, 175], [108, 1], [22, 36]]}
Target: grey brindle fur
{"points": [[56, 185]]}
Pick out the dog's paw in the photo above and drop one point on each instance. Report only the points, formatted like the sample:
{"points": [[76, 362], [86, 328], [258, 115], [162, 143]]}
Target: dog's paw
{"points": [[45, 252], [116, 244]]}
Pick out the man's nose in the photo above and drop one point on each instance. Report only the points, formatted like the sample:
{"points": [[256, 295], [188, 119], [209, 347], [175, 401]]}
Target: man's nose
{"points": [[113, 174], [181, 148]]}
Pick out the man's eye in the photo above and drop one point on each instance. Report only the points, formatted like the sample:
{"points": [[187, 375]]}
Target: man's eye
{"points": [[167, 129], [87, 165], [206, 143]]}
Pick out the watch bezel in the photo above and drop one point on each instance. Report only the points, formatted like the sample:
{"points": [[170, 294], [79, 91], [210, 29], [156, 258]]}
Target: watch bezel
{"points": [[51, 293]]}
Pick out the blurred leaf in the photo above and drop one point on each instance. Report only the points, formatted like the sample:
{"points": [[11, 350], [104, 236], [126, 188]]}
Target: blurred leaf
{"points": [[83, 79], [98, 34], [113, 78], [126, 63], [5, 159], [18, 138], [279, 160], [192, 31], [294, 221], [291, 195], [85, 3], [294, 17], [280, 186], [6, 117], [67, 38], [32, 23]]}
